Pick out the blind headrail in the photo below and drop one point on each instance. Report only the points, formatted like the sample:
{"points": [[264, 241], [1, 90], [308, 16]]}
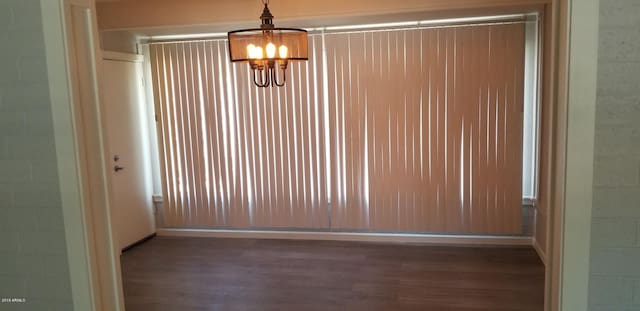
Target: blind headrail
{"points": [[394, 26]]}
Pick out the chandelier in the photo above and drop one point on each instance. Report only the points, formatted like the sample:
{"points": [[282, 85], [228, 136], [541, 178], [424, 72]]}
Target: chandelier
{"points": [[268, 49]]}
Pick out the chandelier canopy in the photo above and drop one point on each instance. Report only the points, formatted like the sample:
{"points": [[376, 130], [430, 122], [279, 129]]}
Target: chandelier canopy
{"points": [[268, 49]]}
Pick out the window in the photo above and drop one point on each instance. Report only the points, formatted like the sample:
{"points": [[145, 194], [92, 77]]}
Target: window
{"points": [[403, 130]]}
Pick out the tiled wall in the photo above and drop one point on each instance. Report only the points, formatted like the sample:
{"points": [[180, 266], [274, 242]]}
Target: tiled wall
{"points": [[615, 242], [33, 259]]}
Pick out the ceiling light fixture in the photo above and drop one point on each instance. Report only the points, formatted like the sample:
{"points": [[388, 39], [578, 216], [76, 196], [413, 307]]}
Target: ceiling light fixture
{"points": [[268, 49]]}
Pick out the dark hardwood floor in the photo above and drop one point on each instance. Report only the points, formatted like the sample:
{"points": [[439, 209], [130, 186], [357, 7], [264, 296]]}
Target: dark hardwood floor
{"points": [[185, 274]]}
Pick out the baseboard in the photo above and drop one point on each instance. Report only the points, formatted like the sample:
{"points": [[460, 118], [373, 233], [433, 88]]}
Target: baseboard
{"points": [[147, 238], [541, 253], [435, 239]]}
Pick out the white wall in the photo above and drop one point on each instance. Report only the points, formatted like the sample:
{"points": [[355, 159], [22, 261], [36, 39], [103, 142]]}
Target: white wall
{"points": [[33, 257]]}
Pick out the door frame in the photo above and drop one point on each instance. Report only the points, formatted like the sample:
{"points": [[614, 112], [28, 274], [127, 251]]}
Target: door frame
{"points": [[570, 233], [93, 258], [94, 263]]}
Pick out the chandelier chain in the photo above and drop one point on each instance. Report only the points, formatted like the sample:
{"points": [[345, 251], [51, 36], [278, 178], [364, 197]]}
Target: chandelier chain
{"points": [[265, 2]]}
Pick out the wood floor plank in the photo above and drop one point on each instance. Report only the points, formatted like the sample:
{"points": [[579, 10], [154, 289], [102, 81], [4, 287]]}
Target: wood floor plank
{"points": [[195, 274]]}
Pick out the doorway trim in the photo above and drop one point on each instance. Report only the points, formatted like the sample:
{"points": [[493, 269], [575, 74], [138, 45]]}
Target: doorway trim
{"points": [[570, 234], [94, 265], [96, 280]]}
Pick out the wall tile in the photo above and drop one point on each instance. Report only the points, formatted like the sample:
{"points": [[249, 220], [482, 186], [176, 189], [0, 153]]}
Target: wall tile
{"points": [[13, 287], [29, 305], [619, 78], [56, 266], [48, 196], [6, 196], [51, 288], [618, 262], [45, 171], [7, 264], [624, 39], [14, 171], [26, 96], [613, 232], [619, 170], [619, 114], [6, 17], [9, 242], [50, 219], [29, 147], [616, 201], [29, 265], [619, 13], [39, 122], [630, 211], [22, 219], [4, 220], [33, 69], [27, 16], [26, 42], [610, 291], [32, 243], [10, 71], [12, 123], [617, 145]]}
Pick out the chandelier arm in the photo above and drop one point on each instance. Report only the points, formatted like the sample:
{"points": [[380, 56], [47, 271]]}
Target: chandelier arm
{"points": [[259, 73], [255, 81], [275, 77], [267, 77]]}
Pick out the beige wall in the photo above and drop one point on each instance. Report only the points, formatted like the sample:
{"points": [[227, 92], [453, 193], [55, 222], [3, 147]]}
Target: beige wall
{"points": [[121, 21], [148, 14], [119, 41]]}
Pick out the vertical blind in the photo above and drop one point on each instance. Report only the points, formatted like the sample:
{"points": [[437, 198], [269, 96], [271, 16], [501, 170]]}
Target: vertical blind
{"points": [[428, 128], [411, 130], [234, 155]]}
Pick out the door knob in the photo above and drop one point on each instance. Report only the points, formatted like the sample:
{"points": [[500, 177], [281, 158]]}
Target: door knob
{"points": [[118, 168]]}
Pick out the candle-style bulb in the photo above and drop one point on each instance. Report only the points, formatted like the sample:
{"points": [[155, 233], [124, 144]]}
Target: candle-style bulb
{"points": [[258, 52], [251, 51], [283, 51], [271, 50]]}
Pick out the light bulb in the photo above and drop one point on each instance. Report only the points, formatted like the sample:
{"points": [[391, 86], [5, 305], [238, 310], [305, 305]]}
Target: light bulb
{"points": [[258, 52], [271, 50], [283, 51], [251, 50]]}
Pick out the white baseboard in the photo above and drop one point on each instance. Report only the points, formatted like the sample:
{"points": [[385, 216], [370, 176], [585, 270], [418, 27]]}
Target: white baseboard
{"points": [[541, 253], [353, 236]]}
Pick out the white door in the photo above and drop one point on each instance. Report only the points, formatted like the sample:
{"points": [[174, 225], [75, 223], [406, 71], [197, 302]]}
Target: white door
{"points": [[127, 136]]}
